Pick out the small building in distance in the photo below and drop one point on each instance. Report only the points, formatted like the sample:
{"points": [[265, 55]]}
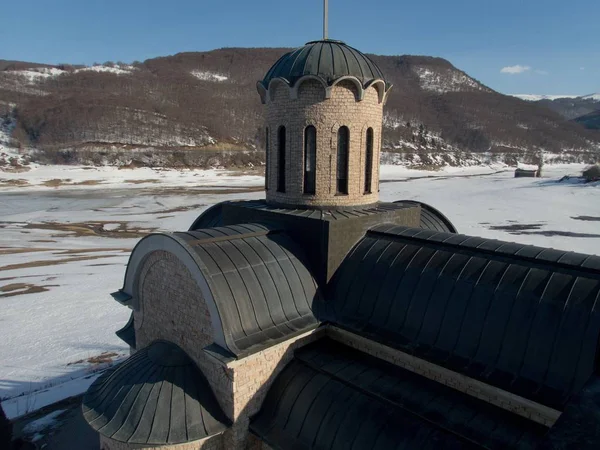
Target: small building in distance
{"points": [[527, 170], [323, 318]]}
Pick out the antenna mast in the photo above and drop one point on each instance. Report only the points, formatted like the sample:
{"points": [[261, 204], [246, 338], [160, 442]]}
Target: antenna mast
{"points": [[325, 18]]}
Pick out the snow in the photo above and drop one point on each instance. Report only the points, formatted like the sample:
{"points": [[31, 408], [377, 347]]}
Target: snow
{"points": [[209, 76], [595, 97], [37, 74], [446, 81], [48, 421], [536, 97], [116, 69], [527, 166], [62, 252], [51, 178]]}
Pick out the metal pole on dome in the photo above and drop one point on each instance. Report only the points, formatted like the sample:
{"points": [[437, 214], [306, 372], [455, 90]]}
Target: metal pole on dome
{"points": [[325, 18]]}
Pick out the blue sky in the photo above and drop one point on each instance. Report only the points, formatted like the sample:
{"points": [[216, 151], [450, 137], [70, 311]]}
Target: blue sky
{"points": [[544, 46]]}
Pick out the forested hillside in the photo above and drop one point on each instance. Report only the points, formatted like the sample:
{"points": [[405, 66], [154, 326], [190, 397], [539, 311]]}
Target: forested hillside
{"points": [[208, 101]]}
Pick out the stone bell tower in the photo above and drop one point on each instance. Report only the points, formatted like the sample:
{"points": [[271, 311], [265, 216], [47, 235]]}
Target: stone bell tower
{"points": [[324, 109]]}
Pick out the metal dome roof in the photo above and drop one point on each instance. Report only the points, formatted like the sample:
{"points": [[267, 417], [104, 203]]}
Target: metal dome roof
{"points": [[327, 59], [156, 397]]}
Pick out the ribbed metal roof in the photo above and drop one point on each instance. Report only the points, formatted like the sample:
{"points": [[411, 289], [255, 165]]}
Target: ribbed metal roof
{"points": [[127, 333], [519, 317], [335, 397], [156, 397], [431, 218], [328, 214], [260, 282], [259, 289], [210, 218], [326, 59]]}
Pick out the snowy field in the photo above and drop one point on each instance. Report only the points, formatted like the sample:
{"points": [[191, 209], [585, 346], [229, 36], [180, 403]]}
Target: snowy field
{"points": [[66, 234]]}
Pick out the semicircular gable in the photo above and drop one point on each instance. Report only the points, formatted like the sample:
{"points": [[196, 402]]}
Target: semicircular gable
{"points": [[209, 218], [295, 89], [255, 281]]}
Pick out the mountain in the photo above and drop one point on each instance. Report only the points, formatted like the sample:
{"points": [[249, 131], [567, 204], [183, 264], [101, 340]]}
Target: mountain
{"points": [[208, 100], [590, 121], [568, 106], [538, 97]]}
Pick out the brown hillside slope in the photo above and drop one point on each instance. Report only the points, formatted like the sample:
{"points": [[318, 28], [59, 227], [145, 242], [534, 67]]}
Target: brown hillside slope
{"points": [[194, 100]]}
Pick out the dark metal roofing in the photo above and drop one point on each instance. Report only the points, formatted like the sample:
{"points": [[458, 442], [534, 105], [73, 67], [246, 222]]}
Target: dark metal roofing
{"points": [[156, 397], [326, 59], [327, 214], [127, 333], [518, 317], [259, 289], [334, 397], [261, 284], [431, 218], [210, 218], [578, 426]]}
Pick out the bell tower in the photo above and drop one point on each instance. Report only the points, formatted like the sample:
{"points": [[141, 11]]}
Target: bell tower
{"points": [[324, 110]]}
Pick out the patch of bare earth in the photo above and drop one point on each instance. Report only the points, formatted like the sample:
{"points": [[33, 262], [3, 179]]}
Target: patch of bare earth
{"points": [[56, 182], [18, 182], [17, 250], [149, 180], [43, 263], [14, 289], [103, 358], [88, 183], [80, 229]]}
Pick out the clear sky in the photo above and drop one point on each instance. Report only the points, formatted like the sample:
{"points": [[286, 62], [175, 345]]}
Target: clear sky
{"points": [[513, 46]]}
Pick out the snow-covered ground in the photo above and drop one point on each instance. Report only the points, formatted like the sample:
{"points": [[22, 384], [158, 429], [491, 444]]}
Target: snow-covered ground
{"points": [[64, 246]]}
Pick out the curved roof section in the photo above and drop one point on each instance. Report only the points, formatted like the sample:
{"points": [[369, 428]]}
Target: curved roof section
{"points": [[327, 59], [431, 218], [156, 397], [522, 318], [257, 284], [335, 397], [210, 218]]}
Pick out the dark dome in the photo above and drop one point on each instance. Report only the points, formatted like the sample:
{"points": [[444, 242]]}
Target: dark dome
{"points": [[156, 397], [327, 59]]}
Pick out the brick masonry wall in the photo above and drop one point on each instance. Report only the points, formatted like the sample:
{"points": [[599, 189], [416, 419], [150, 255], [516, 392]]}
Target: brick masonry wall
{"points": [[211, 443], [252, 379], [171, 307], [513, 403], [327, 115]]}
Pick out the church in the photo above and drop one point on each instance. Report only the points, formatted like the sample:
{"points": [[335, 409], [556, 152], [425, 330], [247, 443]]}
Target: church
{"points": [[322, 318]]}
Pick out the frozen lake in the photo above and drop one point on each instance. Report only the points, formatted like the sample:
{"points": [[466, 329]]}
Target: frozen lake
{"points": [[64, 246]]}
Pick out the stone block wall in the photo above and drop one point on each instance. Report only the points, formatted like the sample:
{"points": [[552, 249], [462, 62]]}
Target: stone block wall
{"points": [[171, 307], [252, 379], [327, 115]]}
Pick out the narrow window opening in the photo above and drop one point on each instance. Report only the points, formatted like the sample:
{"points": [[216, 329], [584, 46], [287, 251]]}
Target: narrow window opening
{"points": [[281, 160], [310, 159], [342, 160], [369, 161]]}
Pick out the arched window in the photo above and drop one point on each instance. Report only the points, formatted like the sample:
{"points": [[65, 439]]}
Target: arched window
{"points": [[310, 159], [267, 159], [369, 161], [281, 159], [342, 160]]}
